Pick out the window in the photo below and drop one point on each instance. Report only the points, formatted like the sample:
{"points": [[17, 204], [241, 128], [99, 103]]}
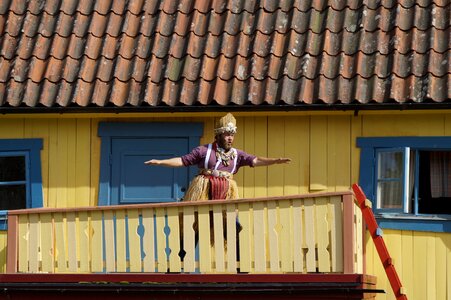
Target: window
{"points": [[409, 181], [20, 175], [124, 179]]}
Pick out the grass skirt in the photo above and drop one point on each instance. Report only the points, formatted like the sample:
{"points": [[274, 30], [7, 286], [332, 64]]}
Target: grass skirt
{"points": [[199, 189]]}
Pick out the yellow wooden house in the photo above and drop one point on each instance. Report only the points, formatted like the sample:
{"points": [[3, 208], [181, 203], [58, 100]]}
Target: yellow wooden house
{"points": [[351, 91]]}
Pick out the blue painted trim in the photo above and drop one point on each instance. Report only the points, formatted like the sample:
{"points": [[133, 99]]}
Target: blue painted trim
{"points": [[33, 148], [3, 220], [415, 224], [109, 130], [150, 129], [368, 147]]}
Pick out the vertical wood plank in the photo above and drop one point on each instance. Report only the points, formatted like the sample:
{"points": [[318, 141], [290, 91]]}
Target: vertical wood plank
{"points": [[84, 236], [47, 249], [71, 133], [248, 190], [23, 243], [134, 241], [244, 236], [261, 149], [318, 152], [218, 229], [259, 224], [231, 238], [83, 154], [204, 239], [96, 242], [62, 161], [189, 264], [110, 259], [322, 235], [72, 242], [33, 243], [174, 239], [359, 234], [336, 228], [95, 162], [408, 262], [310, 233], [276, 148], [273, 236], [121, 242], [148, 240], [60, 242], [286, 241], [162, 263], [53, 167], [298, 237]]}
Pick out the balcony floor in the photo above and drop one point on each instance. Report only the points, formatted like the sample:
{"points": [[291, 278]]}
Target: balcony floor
{"points": [[187, 286]]}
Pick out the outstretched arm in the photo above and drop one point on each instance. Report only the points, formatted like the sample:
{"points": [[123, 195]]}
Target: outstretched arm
{"points": [[170, 162], [266, 161]]}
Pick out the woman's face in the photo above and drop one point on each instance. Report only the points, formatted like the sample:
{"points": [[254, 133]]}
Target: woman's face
{"points": [[225, 140]]}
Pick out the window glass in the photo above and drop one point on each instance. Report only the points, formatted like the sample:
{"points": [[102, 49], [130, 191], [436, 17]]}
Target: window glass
{"points": [[12, 168], [12, 197], [389, 179]]}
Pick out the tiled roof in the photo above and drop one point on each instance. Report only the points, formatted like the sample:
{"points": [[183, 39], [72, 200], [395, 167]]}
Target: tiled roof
{"points": [[150, 53]]}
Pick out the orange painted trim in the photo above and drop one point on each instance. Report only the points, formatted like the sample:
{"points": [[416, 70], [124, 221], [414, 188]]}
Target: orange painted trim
{"points": [[176, 204], [348, 234], [11, 239]]}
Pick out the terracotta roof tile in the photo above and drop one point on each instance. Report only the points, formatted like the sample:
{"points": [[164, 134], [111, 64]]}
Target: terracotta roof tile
{"points": [[217, 52]]}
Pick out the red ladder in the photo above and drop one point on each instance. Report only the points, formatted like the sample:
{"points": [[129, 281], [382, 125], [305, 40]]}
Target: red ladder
{"points": [[376, 234]]}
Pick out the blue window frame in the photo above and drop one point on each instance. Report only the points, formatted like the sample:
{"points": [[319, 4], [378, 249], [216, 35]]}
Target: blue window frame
{"points": [[20, 175], [399, 175]]}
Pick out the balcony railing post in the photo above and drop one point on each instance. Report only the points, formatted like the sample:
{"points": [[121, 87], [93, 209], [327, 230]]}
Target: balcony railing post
{"points": [[11, 261], [348, 234]]}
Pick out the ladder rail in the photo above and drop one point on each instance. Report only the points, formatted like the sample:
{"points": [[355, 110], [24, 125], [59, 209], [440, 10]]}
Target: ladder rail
{"points": [[376, 235]]}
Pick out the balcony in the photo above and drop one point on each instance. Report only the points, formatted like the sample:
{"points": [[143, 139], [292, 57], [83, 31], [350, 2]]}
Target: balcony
{"points": [[315, 233]]}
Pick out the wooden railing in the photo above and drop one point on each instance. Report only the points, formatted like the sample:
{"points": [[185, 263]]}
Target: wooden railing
{"points": [[302, 234]]}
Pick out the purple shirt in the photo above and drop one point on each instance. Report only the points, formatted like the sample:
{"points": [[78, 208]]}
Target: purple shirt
{"points": [[198, 154]]}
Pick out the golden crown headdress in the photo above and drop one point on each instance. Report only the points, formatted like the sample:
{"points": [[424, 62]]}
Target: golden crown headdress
{"points": [[226, 124]]}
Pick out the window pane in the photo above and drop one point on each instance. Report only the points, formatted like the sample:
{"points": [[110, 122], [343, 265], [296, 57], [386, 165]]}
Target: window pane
{"points": [[12, 168], [12, 197], [390, 164], [390, 194]]}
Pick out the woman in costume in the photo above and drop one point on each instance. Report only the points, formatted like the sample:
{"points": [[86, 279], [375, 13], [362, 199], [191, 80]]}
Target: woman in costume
{"points": [[217, 163]]}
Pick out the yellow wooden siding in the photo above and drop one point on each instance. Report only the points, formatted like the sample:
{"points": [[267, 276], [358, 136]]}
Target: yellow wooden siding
{"points": [[325, 157]]}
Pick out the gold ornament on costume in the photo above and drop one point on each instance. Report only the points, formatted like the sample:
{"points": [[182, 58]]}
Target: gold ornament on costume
{"points": [[226, 124]]}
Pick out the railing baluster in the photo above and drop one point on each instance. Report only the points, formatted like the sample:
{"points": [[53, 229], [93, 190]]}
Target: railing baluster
{"points": [[218, 221], [322, 235], [298, 254], [189, 264], [108, 224], [33, 243], [244, 237], [259, 225], [310, 234], [96, 240], [121, 242], [231, 238], [47, 247], [84, 233], [336, 226], [71, 242], [174, 239], [134, 241], [204, 239], [285, 237], [148, 240], [273, 234], [60, 242], [162, 263]]}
